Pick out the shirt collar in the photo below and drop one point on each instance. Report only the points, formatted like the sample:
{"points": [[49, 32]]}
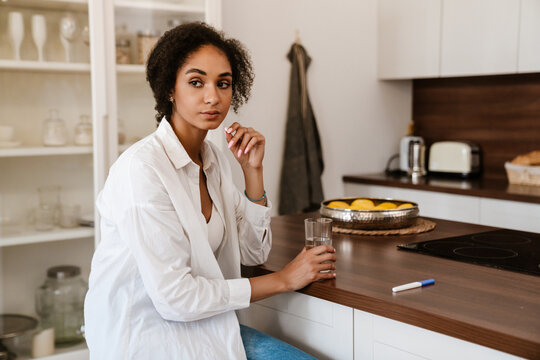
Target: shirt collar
{"points": [[175, 150]]}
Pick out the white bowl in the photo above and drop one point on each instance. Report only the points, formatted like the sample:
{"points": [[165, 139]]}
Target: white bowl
{"points": [[6, 133]]}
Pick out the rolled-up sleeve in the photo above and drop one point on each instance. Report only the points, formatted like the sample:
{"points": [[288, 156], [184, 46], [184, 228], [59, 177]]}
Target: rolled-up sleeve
{"points": [[254, 233], [152, 230]]}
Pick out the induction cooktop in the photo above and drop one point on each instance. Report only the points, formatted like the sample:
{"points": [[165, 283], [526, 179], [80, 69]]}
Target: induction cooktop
{"points": [[503, 249]]}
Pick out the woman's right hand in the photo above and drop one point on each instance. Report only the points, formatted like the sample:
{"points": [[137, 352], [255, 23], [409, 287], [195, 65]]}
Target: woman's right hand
{"points": [[306, 267]]}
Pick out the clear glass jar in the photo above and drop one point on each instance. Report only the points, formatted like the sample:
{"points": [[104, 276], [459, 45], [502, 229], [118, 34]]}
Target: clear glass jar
{"points": [[83, 131], [54, 130], [123, 51], [60, 304], [146, 40]]}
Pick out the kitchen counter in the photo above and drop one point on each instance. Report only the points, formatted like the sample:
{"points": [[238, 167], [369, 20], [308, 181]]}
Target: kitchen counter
{"points": [[487, 306], [486, 188]]}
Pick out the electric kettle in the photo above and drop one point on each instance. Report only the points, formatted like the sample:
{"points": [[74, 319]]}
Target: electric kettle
{"points": [[405, 150]]}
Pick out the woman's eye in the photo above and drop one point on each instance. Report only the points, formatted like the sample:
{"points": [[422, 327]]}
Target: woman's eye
{"points": [[224, 84], [196, 83]]}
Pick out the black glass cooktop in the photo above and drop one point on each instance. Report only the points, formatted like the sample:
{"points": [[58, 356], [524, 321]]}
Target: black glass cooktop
{"points": [[504, 249]]}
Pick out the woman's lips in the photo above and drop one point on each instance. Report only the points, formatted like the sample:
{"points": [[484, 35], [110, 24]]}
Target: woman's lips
{"points": [[210, 114]]}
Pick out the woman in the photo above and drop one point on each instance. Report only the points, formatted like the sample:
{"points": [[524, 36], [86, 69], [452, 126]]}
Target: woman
{"points": [[165, 278]]}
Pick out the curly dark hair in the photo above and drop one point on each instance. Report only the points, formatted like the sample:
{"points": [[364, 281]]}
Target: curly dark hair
{"points": [[176, 45]]}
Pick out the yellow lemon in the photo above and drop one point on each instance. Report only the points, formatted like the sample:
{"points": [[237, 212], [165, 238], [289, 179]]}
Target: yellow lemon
{"points": [[385, 206], [338, 205], [404, 206], [362, 204]]}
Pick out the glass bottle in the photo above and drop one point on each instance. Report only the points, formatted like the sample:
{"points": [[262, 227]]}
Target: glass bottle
{"points": [[60, 304], [54, 130], [121, 132], [83, 131]]}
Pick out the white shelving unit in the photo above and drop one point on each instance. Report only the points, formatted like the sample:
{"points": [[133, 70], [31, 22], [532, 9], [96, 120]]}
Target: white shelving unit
{"points": [[45, 151], [60, 5], [44, 66], [70, 353], [160, 7], [57, 234], [131, 69], [95, 85]]}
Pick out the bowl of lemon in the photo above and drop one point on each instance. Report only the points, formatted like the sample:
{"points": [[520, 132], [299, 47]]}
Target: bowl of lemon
{"points": [[370, 213]]}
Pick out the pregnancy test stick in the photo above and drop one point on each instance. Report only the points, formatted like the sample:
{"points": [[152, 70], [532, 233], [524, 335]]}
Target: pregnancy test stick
{"points": [[413, 285]]}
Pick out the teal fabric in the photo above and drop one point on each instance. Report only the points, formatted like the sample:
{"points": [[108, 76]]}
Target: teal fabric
{"points": [[260, 346]]}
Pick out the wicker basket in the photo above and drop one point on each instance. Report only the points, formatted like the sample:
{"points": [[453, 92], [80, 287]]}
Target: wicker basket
{"points": [[522, 174]]}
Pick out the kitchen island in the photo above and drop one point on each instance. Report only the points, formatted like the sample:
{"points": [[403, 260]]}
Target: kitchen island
{"points": [[498, 309]]}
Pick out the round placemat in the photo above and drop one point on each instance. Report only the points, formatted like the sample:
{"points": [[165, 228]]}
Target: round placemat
{"points": [[420, 225]]}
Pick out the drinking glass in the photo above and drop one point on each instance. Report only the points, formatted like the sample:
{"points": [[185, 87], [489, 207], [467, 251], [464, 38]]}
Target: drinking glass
{"points": [[323, 234], [69, 216], [16, 32], [45, 218], [39, 33], [49, 196], [310, 230], [68, 33]]}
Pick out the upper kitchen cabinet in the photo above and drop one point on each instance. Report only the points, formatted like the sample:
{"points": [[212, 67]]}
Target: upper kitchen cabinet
{"points": [[479, 37], [409, 38], [446, 38], [529, 47]]}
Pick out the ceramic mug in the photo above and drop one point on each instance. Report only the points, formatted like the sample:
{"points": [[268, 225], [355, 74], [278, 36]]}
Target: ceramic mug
{"points": [[6, 133]]}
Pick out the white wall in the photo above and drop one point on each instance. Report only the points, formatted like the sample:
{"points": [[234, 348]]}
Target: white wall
{"points": [[360, 119]]}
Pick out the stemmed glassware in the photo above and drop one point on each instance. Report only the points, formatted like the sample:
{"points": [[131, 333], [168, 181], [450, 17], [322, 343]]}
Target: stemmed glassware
{"points": [[16, 32], [39, 34], [68, 33]]}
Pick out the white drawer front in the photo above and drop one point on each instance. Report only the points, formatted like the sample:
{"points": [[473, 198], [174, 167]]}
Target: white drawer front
{"points": [[429, 344], [319, 327], [510, 214]]}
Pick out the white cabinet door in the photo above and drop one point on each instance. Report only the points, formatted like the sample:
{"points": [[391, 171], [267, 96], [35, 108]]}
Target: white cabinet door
{"points": [[433, 204], [380, 338], [529, 35], [409, 38], [321, 328], [510, 214], [479, 37]]}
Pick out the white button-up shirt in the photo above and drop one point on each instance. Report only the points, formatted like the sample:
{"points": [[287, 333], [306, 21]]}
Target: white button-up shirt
{"points": [[156, 289]]}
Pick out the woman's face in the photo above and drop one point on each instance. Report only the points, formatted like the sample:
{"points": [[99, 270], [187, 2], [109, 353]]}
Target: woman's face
{"points": [[203, 90]]}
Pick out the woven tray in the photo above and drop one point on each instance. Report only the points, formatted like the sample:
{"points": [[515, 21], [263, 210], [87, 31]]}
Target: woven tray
{"points": [[419, 226]]}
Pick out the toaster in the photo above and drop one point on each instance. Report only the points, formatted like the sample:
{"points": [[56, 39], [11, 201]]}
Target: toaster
{"points": [[458, 158]]}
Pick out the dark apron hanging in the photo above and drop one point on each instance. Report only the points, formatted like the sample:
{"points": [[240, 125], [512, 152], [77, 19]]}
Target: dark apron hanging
{"points": [[300, 188]]}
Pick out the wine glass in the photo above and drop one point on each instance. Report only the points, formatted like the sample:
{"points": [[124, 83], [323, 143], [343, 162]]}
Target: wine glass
{"points": [[39, 33], [68, 33], [85, 34], [16, 32]]}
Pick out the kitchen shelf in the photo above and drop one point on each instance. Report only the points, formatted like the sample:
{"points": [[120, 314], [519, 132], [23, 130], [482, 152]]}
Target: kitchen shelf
{"points": [[45, 151], [131, 69], [63, 5], [77, 352], [33, 236], [166, 8], [44, 66]]}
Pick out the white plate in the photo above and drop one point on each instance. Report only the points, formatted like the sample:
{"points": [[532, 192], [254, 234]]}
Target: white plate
{"points": [[9, 144]]}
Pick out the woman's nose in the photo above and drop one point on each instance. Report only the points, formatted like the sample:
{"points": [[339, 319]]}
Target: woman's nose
{"points": [[211, 95]]}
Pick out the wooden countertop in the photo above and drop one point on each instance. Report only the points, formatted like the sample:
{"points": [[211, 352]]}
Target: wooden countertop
{"points": [[487, 188], [496, 308]]}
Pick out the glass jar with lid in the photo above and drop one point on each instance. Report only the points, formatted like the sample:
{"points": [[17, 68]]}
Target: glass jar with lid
{"points": [[83, 131], [54, 130], [60, 304]]}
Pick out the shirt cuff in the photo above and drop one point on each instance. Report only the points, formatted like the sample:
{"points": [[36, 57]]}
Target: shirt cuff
{"points": [[239, 293], [258, 215]]}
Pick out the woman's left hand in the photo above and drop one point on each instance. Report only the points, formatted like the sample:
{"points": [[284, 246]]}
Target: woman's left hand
{"points": [[246, 144]]}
